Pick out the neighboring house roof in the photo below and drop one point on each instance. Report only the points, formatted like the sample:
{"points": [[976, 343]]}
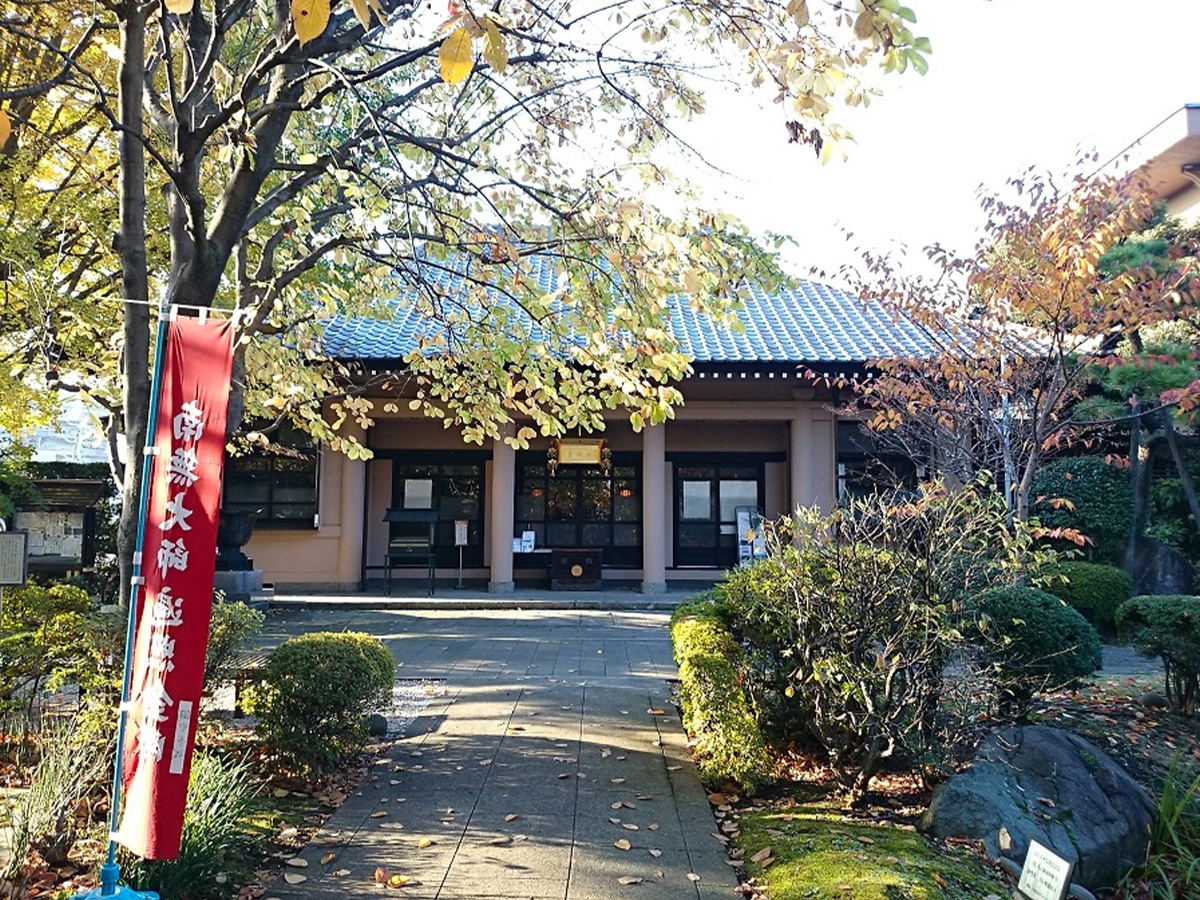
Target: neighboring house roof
{"points": [[74, 438], [811, 323]]}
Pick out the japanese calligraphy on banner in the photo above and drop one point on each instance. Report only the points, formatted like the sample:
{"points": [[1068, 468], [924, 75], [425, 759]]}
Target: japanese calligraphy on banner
{"points": [[178, 559]]}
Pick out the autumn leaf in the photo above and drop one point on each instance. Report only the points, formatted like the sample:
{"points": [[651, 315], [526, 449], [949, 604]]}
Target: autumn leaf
{"points": [[309, 18], [456, 56], [493, 46], [622, 844], [362, 13]]}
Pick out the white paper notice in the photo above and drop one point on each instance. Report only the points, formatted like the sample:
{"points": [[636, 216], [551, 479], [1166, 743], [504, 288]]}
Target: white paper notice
{"points": [[1046, 876], [183, 724]]}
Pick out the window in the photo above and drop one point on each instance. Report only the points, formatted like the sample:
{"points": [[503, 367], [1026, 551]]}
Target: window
{"points": [[450, 482], [864, 468], [707, 498], [583, 506], [281, 485]]}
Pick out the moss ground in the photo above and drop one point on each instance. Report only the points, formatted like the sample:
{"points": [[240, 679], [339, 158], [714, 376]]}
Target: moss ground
{"points": [[819, 854]]}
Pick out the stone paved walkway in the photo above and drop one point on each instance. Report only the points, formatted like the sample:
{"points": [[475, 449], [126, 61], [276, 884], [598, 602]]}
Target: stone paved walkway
{"points": [[549, 745]]}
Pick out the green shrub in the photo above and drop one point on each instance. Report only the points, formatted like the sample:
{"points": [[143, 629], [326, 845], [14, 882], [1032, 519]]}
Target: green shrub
{"points": [[850, 626], [1095, 589], [1168, 626], [728, 743], [1099, 502], [1035, 641], [42, 629], [215, 830], [232, 625], [315, 692]]}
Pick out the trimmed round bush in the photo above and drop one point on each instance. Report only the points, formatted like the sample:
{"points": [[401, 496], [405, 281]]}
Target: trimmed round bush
{"points": [[1036, 641], [1168, 626], [1101, 498], [315, 693], [1095, 589]]}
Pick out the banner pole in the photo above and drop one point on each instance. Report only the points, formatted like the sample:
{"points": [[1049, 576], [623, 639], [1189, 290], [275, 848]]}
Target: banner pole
{"points": [[110, 871]]}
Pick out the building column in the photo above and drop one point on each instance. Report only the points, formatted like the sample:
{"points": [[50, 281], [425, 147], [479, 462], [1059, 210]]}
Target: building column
{"points": [[654, 510], [800, 462], [500, 528], [353, 496]]}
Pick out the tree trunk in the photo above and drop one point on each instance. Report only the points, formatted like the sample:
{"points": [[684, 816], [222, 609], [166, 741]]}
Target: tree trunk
{"points": [[134, 279], [1189, 489], [1139, 484]]}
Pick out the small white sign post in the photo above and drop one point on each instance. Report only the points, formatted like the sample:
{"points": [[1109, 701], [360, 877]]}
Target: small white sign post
{"points": [[14, 556], [1046, 875], [460, 541]]}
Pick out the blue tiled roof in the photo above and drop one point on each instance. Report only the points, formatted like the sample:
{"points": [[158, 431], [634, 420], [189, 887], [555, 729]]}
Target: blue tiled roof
{"points": [[810, 323]]}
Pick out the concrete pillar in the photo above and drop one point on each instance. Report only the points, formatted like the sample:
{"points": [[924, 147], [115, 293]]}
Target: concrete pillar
{"points": [[654, 510], [800, 462], [353, 496], [500, 528]]}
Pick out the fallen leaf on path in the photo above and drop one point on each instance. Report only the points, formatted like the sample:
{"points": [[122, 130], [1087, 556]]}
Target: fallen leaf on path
{"points": [[511, 817], [398, 881], [656, 853], [629, 826], [298, 863], [328, 858], [761, 855], [382, 874], [630, 879], [692, 876], [379, 814], [622, 844], [294, 878], [342, 873], [425, 842], [501, 840], [653, 826], [618, 780], [655, 711]]}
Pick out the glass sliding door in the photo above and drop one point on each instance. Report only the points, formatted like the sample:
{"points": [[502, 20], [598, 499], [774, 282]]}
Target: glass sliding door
{"points": [[583, 506], [706, 500]]}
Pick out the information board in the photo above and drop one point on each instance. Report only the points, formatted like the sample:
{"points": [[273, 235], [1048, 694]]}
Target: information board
{"points": [[1046, 875], [460, 532], [13, 555]]}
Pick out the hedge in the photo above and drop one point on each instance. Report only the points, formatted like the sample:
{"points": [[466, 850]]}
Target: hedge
{"points": [[1095, 589], [716, 712]]}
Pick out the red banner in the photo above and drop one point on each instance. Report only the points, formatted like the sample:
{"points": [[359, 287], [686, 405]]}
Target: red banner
{"points": [[178, 560]]}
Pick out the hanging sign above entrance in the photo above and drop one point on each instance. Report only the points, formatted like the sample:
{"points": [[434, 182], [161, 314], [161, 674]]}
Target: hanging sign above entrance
{"points": [[579, 452]]}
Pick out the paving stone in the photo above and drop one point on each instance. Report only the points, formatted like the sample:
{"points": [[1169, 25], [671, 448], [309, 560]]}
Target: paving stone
{"points": [[494, 743]]}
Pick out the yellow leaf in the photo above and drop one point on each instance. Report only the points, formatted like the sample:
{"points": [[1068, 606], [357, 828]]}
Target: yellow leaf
{"points": [[5, 128], [398, 881], [455, 56], [179, 7], [309, 18], [493, 46], [362, 13], [379, 13]]}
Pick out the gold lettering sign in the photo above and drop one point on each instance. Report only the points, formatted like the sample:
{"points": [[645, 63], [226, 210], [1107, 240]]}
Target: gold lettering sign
{"points": [[577, 452]]}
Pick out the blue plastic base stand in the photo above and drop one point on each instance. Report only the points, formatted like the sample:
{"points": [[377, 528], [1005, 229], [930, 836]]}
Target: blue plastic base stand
{"points": [[109, 887]]}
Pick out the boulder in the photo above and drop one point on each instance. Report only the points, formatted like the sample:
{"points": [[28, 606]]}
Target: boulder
{"points": [[1158, 569], [1034, 782]]}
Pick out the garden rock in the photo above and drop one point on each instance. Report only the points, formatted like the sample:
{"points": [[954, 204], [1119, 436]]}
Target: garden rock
{"points": [[1159, 569], [1039, 783]]}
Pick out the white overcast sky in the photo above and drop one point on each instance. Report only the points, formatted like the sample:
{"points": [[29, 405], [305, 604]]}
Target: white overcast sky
{"points": [[1011, 83]]}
